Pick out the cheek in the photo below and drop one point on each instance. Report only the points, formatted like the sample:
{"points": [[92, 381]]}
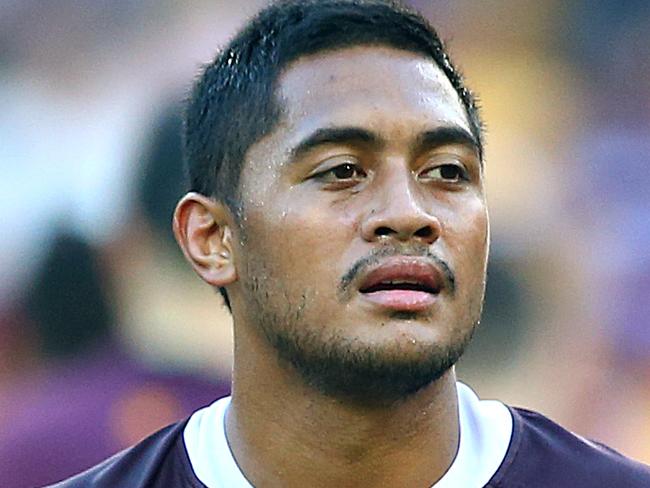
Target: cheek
{"points": [[295, 243], [468, 238]]}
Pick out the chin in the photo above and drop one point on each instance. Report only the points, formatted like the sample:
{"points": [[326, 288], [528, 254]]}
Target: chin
{"points": [[405, 331], [377, 364]]}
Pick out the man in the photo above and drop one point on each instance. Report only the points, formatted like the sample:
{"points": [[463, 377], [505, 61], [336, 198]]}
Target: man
{"points": [[337, 202]]}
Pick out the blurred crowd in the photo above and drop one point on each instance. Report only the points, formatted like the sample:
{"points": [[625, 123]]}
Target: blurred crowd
{"points": [[105, 334]]}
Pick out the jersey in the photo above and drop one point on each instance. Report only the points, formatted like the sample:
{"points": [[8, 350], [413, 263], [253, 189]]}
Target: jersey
{"points": [[500, 447]]}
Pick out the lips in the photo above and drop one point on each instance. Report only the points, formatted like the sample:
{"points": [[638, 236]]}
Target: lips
{"points": [[403, 284]]}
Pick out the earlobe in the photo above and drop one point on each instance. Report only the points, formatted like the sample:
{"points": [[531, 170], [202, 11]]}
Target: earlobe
{"points": [[202, 227]]}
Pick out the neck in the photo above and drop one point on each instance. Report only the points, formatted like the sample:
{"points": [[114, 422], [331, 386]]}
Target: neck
{"points": [[283, 432]]}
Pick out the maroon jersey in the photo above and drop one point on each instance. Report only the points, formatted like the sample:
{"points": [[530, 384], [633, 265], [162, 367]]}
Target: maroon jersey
{"points": [[540, 454]]}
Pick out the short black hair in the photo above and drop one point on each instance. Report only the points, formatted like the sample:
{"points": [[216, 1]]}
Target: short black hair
{"points": [[233, 105]]}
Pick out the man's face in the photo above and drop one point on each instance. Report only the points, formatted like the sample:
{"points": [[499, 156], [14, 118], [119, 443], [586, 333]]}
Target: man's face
{"points": [[362, 250]]}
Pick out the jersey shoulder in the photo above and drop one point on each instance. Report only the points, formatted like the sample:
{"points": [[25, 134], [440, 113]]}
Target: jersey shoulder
{"points": [[158, 461], [542, 454]]}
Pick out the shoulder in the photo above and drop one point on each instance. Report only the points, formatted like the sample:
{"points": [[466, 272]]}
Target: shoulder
{"points": [[542, 453], [160, 460]]}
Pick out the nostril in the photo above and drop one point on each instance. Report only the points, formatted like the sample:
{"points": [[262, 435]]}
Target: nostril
{"points": [[383, 231], [425, 232]]}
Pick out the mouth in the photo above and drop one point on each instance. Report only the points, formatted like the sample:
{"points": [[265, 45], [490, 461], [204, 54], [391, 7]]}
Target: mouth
{"points": [[393, 285], [403, 284]]}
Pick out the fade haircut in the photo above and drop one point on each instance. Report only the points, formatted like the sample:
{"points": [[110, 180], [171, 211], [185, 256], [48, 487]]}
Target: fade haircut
{"points": [[233, 104]]}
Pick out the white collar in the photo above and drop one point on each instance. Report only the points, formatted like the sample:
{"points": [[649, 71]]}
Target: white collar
{"points": [[485, 432]]}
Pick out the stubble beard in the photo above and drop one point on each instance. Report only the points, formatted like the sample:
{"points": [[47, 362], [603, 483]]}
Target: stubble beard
{"points": [[348, 368], [342, 368]]}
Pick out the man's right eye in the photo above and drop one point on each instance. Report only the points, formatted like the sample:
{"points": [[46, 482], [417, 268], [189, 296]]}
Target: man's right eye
{"points": [[346, 172]]}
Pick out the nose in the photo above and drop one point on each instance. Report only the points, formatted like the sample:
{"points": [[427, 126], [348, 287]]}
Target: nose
{"points": [[399, 214]]}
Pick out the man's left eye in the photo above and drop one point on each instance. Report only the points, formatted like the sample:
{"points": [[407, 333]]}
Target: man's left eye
{"points": [[446, 172]]}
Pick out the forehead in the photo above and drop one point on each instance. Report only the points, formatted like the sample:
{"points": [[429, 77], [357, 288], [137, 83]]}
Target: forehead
{"points": [[377, 87]]}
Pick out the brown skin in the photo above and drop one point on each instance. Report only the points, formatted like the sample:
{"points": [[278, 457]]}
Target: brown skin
{"points": [[283, 264]]}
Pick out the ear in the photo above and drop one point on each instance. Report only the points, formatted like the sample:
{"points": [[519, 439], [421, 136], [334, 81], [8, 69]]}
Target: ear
{"points": [[203, 230]]}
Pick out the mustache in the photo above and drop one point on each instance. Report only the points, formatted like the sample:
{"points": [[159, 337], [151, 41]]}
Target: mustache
{"points": [[384, 252]]}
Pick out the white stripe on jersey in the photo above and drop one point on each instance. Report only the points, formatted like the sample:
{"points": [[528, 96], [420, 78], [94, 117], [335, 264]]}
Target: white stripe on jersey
{"points": [[485, 433]]}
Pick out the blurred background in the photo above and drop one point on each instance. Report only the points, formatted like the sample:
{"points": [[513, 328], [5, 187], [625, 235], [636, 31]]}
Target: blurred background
{"points": [[106, 335]]}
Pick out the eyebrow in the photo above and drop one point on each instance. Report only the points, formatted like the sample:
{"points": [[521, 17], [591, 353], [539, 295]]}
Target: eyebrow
{"points": [[335, 135], [445, 135], [430, 139]]}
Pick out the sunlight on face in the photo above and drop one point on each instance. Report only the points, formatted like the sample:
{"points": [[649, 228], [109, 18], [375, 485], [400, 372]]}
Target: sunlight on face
{"points": [[372, 174]]}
